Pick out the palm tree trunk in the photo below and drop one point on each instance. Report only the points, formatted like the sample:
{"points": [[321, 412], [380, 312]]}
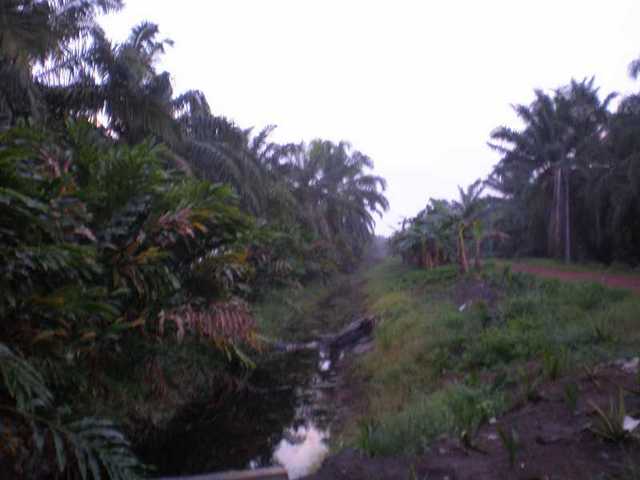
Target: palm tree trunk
{"points": [[556, 219], [424, 261], [464, 263], [598, 230], [567, 223]]}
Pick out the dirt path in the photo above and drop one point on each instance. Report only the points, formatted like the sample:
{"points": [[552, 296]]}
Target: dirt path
{"points": [[629, 282]]}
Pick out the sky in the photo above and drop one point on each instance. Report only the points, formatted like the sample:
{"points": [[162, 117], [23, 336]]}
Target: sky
{"points": [[416, 85]]}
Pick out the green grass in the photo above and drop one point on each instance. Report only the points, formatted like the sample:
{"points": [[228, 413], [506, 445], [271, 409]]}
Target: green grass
{"points": [[410, 430], [429, 355]]}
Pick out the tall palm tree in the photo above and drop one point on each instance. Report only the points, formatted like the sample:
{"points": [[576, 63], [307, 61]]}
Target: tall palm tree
{"points": [[222, 152], [338, 195], [40, 34], [610, 192], [539, 160], [120, 81]]}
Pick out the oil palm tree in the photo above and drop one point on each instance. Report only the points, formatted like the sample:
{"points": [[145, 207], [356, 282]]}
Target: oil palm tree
{"points": [[38, 36], [540, 160], [338, 195], [220, 151], [121, 82]]}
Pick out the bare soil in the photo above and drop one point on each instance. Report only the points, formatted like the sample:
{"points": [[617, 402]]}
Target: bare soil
{"points": [[629, 282]]}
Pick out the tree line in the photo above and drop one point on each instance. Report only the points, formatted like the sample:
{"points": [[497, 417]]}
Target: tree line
{"points": [[566, 186], [133, 220]]}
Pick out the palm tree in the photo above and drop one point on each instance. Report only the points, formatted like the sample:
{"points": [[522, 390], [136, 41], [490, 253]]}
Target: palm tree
{"points": [[40, 34], [220, 151], [539, 160], [121, 82], [337, 194], [610, 193]]}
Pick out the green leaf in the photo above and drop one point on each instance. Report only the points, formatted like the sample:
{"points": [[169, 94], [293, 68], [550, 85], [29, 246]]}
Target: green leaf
{"points": [[79, 453], [93, 465], [61, 454]]}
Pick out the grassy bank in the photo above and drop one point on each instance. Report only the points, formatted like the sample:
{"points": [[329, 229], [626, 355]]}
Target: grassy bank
{"points": [[452, 352]]}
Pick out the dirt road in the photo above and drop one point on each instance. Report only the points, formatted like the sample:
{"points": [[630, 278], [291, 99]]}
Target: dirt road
{"points": [[629, 282]]}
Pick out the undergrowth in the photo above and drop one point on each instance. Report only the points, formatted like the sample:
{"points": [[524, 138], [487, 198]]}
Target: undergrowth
{"points": [[304, 313], [435, 357]]}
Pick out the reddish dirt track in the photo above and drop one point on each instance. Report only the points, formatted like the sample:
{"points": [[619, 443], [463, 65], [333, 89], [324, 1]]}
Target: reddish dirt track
{"points": [[629, 282]]}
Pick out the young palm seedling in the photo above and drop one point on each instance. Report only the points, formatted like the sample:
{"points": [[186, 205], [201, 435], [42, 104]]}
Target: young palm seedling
{"points": [[510, 442], [528, 386], [553, 364], [613, 425]]}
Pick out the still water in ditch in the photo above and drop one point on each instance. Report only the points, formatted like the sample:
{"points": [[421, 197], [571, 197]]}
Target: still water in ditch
{"points": [[303, 446], [282, 419]]}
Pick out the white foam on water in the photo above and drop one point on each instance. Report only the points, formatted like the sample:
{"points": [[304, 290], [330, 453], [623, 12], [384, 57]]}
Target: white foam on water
{"points": [[305, 454]]}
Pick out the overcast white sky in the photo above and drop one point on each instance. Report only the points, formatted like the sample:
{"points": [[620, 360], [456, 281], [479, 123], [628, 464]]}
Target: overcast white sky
{"points": [[416, 85]]}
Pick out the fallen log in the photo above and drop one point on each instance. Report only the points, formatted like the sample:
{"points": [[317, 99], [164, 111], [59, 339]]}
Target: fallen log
{"points": [[347, 337], [352, 333]]}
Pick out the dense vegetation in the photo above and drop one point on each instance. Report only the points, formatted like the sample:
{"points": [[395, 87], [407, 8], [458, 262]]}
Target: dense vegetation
{"points": [[139, 231], [136, 229], [438, 234], [454, 351], [567, 184], [459, 343]]}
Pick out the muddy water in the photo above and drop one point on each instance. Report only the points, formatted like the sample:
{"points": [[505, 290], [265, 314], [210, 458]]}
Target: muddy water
{"points": [[282, 419]]}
